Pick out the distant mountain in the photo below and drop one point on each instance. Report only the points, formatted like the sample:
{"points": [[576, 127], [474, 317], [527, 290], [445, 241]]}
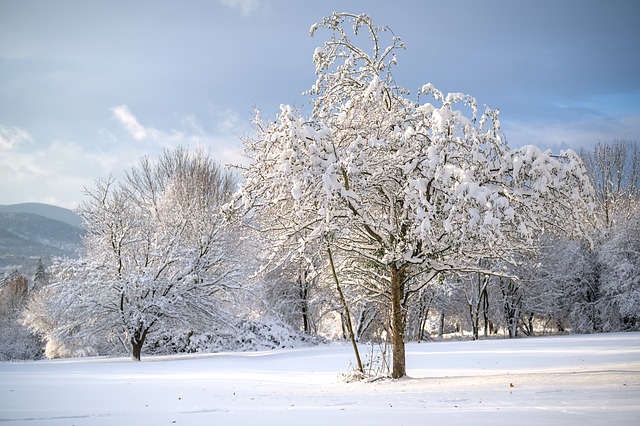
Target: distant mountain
{"points": [[52, 212], [26, 237]]}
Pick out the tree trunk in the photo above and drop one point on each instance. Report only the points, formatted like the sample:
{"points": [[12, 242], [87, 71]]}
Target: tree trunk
{"points": [[347, 314], [424, 314], [136, 350], [485, 310], [304, 302], [560, 326], [512, 302], [397, 322], [474, 319], [137, 341]]}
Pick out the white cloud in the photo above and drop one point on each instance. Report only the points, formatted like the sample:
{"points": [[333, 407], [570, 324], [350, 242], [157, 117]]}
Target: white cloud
{"points": [[131, 123], [246, 7], [108, 135], [140, 132], [192, 122], [577, 134], [12, 137], [231, 157], [226, 120], [56, 171]]}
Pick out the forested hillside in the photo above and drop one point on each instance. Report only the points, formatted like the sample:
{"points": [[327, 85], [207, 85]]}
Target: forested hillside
{"points": [[46, 210], [26, 236]]}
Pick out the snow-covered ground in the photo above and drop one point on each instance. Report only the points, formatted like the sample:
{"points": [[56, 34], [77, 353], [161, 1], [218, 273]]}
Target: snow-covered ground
{"points": [[581, 380]]}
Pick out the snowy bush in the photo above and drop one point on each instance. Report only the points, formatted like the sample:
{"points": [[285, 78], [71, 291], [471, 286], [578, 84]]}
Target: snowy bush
{"points": [[269, 334], [18, 343], [244, 335]]}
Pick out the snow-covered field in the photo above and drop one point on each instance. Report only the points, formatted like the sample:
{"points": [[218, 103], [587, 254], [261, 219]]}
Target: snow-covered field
{"points": [[581, 380]]}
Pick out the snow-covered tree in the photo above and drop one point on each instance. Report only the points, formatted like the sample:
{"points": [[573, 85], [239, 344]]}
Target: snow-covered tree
{"points": [[40, 277], [16, 341], [292, 289], [14, 289], [614, 169], [619, 262], [409, 188], [559, 283], [158, 256], [476, 292]]}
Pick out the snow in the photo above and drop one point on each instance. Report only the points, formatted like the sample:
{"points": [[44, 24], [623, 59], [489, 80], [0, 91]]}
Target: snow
{"points": [[580, 379]]}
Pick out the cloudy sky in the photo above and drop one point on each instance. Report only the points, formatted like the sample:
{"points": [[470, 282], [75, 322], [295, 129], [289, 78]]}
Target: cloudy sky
{"points": [[88, 87]]}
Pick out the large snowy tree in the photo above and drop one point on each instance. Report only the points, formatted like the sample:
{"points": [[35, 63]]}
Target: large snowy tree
{"points": [[158, 256], [410, 188]]}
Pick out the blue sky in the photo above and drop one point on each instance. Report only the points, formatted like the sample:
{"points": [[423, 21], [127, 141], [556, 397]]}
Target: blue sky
{"points": [[88, 87]]}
